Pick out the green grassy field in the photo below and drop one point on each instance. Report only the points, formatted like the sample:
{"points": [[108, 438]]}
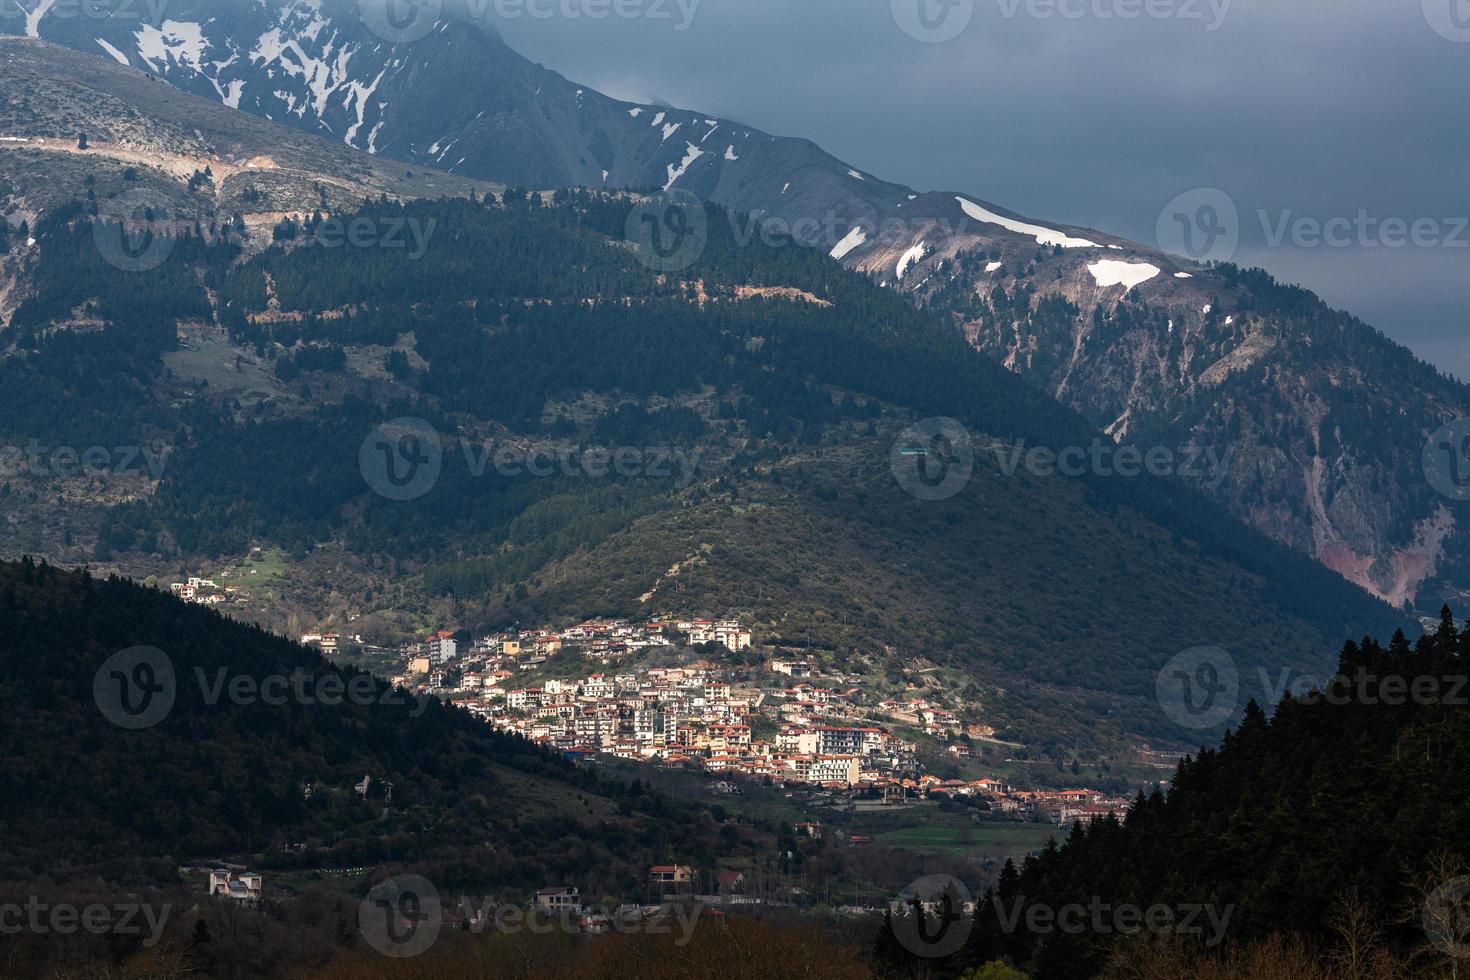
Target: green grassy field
{"points": [[258, 573], [973, 840], [226, 368]]}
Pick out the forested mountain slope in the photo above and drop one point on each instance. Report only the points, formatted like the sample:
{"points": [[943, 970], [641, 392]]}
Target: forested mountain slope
{"points": [[222, 762], [785, 381], [1338, 819], [1324, 420]]}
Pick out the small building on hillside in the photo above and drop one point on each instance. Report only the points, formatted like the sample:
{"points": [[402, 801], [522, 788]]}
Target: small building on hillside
{"points": [[242, 887], [560, 898]]}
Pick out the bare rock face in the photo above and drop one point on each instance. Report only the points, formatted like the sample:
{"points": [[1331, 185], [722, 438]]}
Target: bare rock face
{"points": [[1315, 422], [73, 127], [1318, 422]]}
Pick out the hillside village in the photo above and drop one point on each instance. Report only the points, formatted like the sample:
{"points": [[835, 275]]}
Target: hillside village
{"points": [[695, 694], [207, 592]]}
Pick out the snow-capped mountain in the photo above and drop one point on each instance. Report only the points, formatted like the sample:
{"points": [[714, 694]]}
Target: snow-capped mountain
{"points": [[1152, 348], [457, 99], [451, 95]]}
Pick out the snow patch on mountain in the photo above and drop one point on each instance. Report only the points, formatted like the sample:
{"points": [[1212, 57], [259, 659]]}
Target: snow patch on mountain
{"points": [[230, 96], [1114, 272], [117, 55], [1043, 236], [34, 17], [181, 42], [693, 153], [361, 93], [853, 239], [915, 254]]}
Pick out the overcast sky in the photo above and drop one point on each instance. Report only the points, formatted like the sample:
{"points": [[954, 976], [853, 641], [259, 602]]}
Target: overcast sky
{"points": [[1070, 110]]}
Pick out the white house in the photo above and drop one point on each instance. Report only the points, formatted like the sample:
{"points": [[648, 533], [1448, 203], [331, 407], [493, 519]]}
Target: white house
{"points": [[242, 887], [561, 898]]}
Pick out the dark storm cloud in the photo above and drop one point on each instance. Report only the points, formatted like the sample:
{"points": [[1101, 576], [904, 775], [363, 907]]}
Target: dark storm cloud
{"points": [[1099, 112]]}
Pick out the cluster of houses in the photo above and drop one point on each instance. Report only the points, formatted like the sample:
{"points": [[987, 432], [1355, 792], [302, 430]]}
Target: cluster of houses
{"points": [[204, 592], [565, 902], [1062, 807], [690, 716], [603, 641], [693, 717], [1069, 806], [782, 722]]}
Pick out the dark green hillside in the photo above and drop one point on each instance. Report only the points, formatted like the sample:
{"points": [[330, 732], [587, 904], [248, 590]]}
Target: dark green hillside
{"points": [[1016, 581], [527, 323], [1334, 818], [80, 795]]}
